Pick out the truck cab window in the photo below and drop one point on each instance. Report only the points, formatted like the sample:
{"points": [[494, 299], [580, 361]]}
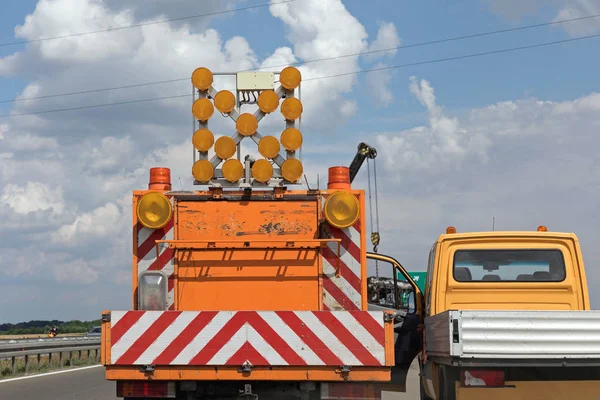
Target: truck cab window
{"points": [[380, 287], [539, 265], [430, 266]]}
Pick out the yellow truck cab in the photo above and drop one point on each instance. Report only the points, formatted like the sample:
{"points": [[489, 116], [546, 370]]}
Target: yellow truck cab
{"points": [[507, 315]]}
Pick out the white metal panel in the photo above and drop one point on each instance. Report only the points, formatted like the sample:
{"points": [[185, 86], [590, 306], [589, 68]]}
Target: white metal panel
{"points": [[520, 334], [255, 80]]}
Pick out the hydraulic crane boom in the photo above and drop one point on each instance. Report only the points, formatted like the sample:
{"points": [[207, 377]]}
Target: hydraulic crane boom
{"points": [[364, 151]]}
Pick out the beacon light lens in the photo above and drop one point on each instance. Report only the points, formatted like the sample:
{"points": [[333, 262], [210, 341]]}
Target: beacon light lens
{"points": [[225, 147], [341, 209], [203, 171], [246, 124], [225, 101], [268, 101], [269, 147], [291, 169], [291, 108], [291, 139], [202, 78], [233, 170], [290, 78], [153, 210], [203, 109], [203, 140], [262, 170]]}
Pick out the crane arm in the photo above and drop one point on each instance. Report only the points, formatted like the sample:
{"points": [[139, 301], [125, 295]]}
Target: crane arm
{"points": [[364, 151]]}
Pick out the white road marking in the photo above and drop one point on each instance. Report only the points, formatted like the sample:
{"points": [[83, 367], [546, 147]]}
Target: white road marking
{"points": [[48, 373]]}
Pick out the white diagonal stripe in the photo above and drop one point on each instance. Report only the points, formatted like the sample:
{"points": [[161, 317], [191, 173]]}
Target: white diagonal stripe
{"points": [[327, 337], [330, 301], [204, 336], [347, 258], [143, 235], [377, 316], [166, 338], [133, 334], [231, 347], [290, 337], [341, 282], [115, 316], [263, 348], [363, 336]]}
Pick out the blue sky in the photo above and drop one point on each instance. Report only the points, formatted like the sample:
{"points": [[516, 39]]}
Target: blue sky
{"points": [[508, 135]]}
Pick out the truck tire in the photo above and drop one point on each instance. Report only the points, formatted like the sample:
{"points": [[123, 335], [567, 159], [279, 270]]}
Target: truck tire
{"points": [[447, 383]]}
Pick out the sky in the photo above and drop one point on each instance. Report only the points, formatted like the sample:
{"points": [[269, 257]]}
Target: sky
{"points": [[510, 136]]}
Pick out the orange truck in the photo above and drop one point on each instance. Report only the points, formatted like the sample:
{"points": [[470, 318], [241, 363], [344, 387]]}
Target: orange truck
{"points": [[251, 287]]}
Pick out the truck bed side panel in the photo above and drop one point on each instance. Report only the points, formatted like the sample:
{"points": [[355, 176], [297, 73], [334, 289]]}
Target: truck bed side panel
{"points": [[515, 334]]}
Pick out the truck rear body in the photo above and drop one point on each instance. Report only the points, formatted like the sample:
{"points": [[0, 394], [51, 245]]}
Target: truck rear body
{"points": [[508, 314], [258, 289]]}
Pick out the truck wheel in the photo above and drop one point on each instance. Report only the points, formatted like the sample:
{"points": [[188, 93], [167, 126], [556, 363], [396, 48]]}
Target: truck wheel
{"points": [[447, 383]]}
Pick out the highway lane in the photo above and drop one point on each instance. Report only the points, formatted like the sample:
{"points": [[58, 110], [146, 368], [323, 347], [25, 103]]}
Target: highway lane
{"points": [[86, 384], [89, 384]]}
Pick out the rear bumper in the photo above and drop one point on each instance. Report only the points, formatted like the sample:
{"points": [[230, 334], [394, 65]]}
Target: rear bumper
{"points": [[248, 345], [195, 373]]}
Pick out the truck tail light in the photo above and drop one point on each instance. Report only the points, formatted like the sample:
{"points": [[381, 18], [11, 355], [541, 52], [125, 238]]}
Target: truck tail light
{"points": [[153, 289], [146, 389], [478, 377]]}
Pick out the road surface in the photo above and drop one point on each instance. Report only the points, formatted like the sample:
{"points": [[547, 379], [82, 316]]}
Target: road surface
{"points": [[90, 384]]}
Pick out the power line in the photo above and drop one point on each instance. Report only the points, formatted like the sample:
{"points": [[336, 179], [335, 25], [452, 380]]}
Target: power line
{"points": [[439, 60], [97, 105], [481, 34], [146, 23], [435, 61]]}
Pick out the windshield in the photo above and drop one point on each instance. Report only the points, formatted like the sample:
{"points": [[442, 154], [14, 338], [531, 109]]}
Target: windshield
{"points": [[508, 265]]}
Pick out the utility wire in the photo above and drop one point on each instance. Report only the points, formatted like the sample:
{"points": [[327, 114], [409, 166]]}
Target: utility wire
{"points": [[439, 60], [146, 23], [316, 59]]}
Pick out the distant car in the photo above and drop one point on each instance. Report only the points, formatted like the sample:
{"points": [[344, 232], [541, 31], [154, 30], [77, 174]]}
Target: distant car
{"points": [[95, 331]]}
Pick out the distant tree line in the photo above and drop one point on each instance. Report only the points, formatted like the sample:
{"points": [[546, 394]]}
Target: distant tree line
{"points": [[43, 327]]}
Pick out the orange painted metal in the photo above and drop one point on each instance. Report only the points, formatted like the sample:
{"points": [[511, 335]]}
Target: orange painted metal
{"points": [[339, 178], [160, 179], [178, 373]]}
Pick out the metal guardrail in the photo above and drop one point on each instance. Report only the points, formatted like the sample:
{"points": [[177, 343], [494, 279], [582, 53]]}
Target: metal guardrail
{"points": [[38, 347]]}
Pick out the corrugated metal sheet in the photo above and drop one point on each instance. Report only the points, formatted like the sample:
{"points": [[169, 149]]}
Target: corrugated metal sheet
{"points": [[516, 334]]}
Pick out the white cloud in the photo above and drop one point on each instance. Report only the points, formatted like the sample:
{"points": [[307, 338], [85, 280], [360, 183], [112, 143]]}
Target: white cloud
{"points": [[34, 196], [387, 38], [104, 222], [577, 9], [378, 83]]}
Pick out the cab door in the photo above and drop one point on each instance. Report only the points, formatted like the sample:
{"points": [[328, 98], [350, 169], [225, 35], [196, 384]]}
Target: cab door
{"points": [[390, 287]]}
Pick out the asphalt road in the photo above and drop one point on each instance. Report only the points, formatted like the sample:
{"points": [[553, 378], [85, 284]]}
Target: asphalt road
{"points": [[89, 384]]}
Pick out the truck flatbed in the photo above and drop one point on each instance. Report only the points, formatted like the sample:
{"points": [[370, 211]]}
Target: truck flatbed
{"points": [[470, 337]]}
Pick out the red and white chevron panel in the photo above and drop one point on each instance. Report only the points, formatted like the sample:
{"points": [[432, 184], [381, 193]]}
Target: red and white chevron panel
{"points": [[146, 253], [343, 292], [261, 338]]}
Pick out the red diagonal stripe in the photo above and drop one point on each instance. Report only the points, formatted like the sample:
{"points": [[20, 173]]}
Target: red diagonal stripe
{"points": [[219, 340], [162, 260], [273, 338], [338, 294], [372, 326], [357, 226], [185, 337], [171, 282], [249, 353], [346, 243], [348, 339], [150, 243], [148, 337], [345, 271], [292, 320], [123, 325]]}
